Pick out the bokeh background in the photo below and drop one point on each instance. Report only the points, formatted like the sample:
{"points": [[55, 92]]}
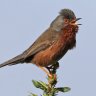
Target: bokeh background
{"points": [[22, 21]]}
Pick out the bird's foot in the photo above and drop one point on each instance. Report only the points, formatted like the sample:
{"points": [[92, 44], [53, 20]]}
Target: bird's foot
{"points": [[52, 76], [52, 80]]}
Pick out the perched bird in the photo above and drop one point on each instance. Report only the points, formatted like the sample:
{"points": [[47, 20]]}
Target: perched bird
{"points": [[53, 44]]}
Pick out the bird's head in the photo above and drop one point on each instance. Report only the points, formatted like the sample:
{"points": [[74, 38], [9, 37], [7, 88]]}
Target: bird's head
{"points": [[66, 17], [69, 17]]}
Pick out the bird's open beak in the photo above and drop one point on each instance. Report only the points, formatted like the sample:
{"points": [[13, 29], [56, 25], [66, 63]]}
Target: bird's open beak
{"points": [[74, 21], [77, 20]]}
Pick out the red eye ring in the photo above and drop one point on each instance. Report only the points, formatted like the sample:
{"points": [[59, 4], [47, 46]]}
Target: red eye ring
{"points": [[66, 20]]}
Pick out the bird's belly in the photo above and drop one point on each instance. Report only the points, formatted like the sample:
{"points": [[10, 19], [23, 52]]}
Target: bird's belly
{"points": [[43, 58]]}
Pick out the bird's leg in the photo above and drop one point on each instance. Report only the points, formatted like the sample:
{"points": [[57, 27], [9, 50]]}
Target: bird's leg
{"points": [[48, 73], [52, 69]]}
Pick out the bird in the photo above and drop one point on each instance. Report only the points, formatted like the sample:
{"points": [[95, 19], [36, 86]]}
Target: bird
{"points": [[52, 44]]}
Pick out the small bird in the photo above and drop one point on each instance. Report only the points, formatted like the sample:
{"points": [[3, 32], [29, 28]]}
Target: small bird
{"points": [[53, 44]]}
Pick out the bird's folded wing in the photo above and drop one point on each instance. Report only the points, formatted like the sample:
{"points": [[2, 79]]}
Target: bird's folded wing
{"points": [[35, 49], [44, 41]]}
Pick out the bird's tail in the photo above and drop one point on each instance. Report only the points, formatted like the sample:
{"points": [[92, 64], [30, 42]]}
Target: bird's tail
{"points": [[13, 61]]}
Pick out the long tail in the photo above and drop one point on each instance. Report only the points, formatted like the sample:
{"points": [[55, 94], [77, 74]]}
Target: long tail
{"points": [[13, 61]]}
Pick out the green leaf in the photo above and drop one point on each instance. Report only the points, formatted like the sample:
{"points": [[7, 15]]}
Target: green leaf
{"points": [[43, 84], [45, 95], [40, 84], [36, 84], [62, 89], [33, 94]]}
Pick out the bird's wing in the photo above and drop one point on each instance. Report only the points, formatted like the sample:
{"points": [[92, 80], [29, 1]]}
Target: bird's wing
{"points": [[43, 42], [46, 39], [35, 49]]}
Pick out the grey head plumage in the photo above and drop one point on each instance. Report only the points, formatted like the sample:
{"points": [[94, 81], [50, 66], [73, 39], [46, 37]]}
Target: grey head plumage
{"points": [[58, 23], [67, 13]]}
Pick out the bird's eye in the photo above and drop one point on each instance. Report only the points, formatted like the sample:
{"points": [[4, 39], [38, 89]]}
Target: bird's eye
{"points": [[66, 20]]}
